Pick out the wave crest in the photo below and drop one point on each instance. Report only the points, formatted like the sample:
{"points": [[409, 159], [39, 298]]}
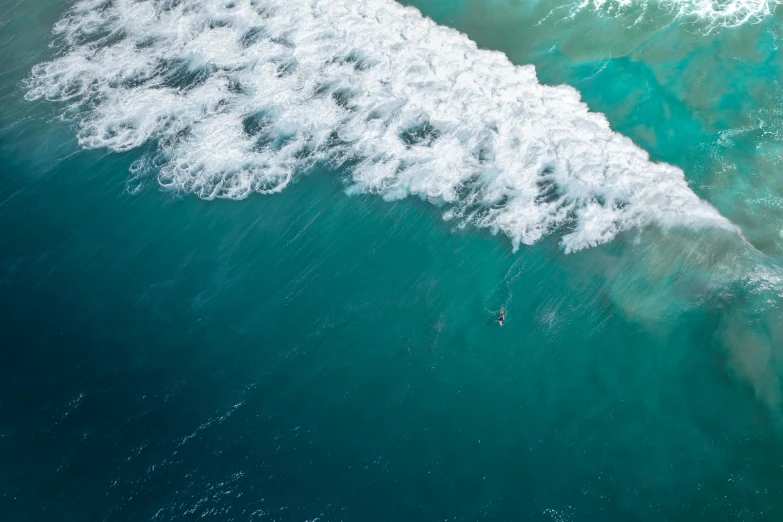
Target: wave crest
{"points": [[710, 14], [241, 96]]}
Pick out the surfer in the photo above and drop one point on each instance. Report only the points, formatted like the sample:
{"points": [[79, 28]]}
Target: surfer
{"points": [[502, 316]]}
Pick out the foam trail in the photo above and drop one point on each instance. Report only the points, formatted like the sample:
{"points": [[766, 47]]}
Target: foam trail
{"points": [[711, 14], [240, 96]]}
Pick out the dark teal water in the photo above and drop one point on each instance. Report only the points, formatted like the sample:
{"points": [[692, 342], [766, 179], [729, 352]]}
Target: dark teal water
{"points": [[312, 355]]}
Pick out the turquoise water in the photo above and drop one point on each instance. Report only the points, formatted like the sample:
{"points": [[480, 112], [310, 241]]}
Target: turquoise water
{"points": [[331, 351]]}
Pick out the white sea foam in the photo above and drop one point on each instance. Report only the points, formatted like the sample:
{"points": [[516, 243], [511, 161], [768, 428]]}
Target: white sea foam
{"points": [[241, 96], [711, 14]]}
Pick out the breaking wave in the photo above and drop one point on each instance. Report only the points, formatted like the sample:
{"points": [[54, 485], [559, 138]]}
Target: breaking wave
{"points": [[241, 96]]}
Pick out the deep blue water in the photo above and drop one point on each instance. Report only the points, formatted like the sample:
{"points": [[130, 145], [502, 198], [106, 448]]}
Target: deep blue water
{"points": [[316, 355]]}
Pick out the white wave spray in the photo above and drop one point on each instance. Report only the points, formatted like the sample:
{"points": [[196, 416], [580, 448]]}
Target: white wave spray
{"points": [[710, 14], [240, 96]]}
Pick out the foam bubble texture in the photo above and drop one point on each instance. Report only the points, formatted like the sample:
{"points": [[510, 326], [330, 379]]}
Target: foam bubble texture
{"points": [[241, 96]]}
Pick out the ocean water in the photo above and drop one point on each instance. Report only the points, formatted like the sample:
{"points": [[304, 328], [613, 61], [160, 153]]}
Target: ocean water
{"points": [[252, 255]]}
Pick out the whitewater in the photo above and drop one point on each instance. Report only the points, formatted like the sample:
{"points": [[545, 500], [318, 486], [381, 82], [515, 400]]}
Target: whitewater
{"points": [[709, 15], [242, 97]]}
